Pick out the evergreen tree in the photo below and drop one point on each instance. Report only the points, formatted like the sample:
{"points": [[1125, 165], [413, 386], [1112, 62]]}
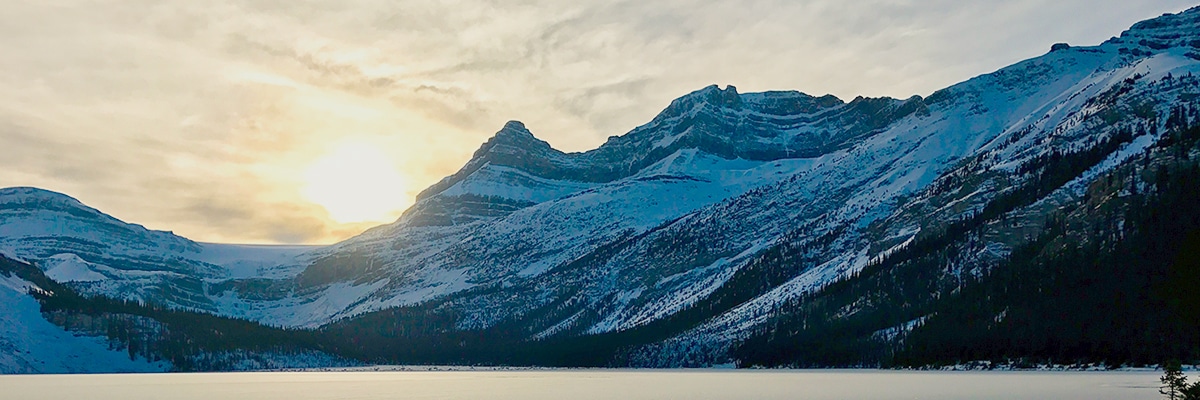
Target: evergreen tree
{"points": [[1175, 385]]}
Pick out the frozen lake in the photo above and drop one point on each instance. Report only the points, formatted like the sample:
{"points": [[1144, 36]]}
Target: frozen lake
{"points": [[590, 384]]}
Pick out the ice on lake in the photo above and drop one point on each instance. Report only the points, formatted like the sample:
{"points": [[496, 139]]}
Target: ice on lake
{"points": [[590, 384]]}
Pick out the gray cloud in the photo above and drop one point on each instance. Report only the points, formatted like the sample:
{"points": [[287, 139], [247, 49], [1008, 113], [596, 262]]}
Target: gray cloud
{"points": [[200, 117]]}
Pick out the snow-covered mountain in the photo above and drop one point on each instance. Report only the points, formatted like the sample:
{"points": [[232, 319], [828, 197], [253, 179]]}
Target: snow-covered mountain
{"points": [[102, 255], [654, 220], [665, 218]]}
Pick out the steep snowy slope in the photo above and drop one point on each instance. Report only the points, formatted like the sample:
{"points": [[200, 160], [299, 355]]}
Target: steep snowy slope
{"points": [[1124, 102], [30, 344]]}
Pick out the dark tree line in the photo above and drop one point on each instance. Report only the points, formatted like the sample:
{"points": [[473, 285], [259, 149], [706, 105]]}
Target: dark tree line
{"points": [[188, 340]]}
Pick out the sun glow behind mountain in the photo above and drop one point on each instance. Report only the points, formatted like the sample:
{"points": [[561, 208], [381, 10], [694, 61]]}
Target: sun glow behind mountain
{"points": [[356, 182]]}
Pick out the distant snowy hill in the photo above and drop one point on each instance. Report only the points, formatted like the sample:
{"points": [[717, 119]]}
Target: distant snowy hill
{"points": [[102, 255], [702, 225]]}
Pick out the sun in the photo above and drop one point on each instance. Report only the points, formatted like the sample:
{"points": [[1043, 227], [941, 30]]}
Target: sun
{"points": [[356, 183]]}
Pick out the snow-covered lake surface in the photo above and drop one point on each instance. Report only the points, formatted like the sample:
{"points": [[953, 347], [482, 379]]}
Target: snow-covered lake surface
{"points": [[590, 384]]}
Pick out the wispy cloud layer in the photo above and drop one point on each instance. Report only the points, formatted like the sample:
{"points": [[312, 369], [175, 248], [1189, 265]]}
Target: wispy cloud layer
{"points": [[201, 116]]}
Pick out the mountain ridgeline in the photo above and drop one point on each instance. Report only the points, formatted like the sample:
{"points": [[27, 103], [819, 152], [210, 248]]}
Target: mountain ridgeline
{"points": [[1042, 213]]}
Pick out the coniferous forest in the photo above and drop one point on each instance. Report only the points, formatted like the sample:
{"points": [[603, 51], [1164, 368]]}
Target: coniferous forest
{"points": [[1109, 280]]}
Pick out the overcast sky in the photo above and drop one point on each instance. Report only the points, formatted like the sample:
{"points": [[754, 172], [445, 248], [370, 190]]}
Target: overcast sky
{"points": [[212, 118]]}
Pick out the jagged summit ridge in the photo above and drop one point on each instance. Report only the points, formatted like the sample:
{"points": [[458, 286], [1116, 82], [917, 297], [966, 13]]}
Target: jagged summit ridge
{"points": [[1169, 26], [711, 95], [720, 122], [777, 103], [1181, 30]]}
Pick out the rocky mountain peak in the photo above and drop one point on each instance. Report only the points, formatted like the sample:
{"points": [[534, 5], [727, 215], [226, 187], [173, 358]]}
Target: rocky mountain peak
{"points": [[513, 134], [789, 102], [1165, 32], [711, 96], [515, 129], [512, 146]]}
